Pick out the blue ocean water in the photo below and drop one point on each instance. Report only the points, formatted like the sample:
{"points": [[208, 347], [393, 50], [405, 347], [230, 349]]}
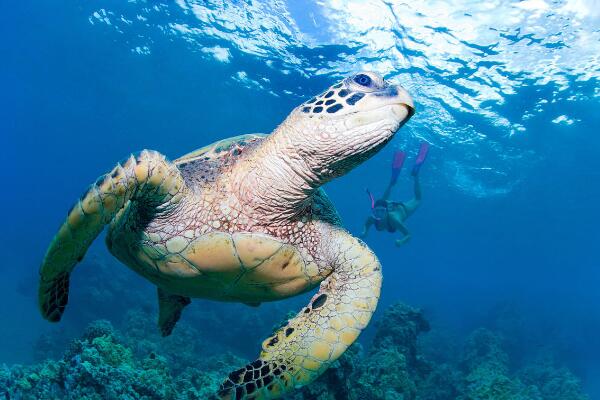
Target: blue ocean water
{"points": [[507, 94]]}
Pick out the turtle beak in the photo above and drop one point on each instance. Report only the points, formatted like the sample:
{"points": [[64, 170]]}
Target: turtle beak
{"points": [[396, 96], [400, 96]]}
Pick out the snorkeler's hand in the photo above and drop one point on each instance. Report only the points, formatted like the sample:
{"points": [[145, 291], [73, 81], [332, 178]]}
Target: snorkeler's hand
{"points": [[402, 241]]}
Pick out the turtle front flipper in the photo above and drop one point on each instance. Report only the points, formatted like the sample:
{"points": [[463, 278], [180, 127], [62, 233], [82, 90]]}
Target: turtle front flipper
{"points": [[310, 342], [148, 179]]}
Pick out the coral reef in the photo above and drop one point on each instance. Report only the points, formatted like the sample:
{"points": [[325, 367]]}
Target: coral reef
{"points": [[337, 382], [181, 349], [553, 382], [403, 361], [391, 368], [99, 366], [485, 368]]}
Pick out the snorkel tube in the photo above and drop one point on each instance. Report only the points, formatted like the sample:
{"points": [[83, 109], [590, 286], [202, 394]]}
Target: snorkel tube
{"points": [[371, 198], [375, 205]]}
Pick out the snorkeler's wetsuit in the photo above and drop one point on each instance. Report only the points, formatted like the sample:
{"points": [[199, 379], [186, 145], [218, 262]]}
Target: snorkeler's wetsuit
{"points": [[384, 223]]}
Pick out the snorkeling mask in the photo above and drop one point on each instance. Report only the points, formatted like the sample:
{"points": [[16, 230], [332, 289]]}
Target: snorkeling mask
{"points": [[379, 208]]}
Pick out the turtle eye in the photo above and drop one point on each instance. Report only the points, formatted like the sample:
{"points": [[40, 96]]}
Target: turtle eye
{"points": [[363, 80]]}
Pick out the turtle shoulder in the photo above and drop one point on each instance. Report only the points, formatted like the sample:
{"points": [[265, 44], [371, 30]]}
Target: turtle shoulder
{"points": [[204, 165]]}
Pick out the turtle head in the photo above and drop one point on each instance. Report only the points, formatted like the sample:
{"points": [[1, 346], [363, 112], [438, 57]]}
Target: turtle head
{"points": [[348, 123], [321, 139]]}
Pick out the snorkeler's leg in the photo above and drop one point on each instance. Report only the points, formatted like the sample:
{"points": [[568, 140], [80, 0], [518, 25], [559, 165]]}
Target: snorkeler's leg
{"points": [[417, 188], [411, 205], [397, 162], [388, 191]]}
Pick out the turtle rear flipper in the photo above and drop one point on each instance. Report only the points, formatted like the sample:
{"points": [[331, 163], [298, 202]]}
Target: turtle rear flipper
{"points": [[170, 307], [318, 335], [147, 178]]}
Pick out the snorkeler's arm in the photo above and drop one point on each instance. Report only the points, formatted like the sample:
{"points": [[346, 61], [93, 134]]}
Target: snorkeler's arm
{"points": [[402, 241], [404, 230], [368, 224]]}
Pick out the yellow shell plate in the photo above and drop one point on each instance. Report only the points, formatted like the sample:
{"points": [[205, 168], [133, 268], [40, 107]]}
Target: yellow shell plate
{"points": [[240, 267]]}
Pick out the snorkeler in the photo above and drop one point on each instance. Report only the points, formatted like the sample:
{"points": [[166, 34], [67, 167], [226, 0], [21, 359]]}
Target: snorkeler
{"points": [[390, 215]]}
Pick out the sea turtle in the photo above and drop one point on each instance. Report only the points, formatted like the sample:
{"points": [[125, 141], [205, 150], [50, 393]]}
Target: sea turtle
{"points": [[245, 220]]}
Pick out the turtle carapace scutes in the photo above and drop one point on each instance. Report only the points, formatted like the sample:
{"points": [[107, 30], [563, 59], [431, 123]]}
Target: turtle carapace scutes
{"points": [[245, 220]]}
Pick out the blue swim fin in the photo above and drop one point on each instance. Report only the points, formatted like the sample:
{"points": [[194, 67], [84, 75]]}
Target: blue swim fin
{"points": [[421, 157], [399, 157]]}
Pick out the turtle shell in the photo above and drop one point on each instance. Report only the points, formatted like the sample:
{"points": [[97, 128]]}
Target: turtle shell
{"points": [[242, 266], [235, 266], [204, 165]]}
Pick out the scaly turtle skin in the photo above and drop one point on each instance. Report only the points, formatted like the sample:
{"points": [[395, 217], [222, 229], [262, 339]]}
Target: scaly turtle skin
{"points": [[244, 220]]}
